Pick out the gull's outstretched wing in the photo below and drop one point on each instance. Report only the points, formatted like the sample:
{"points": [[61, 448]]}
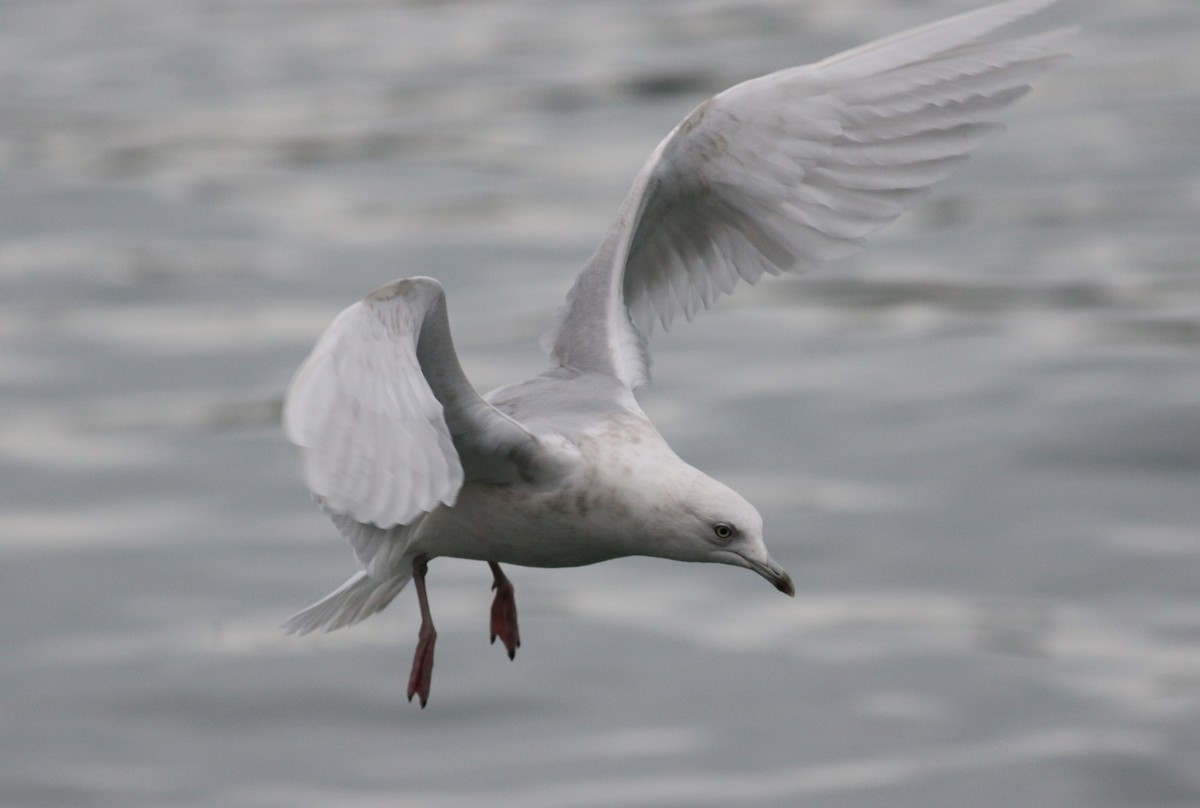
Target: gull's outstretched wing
{"points": [[387, 421], [792, 169]]}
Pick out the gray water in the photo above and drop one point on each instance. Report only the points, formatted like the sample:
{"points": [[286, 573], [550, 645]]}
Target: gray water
{"points": [[975, 446]]}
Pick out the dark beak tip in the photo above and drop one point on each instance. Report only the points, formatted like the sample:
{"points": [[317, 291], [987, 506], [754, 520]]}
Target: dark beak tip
{"points": [[784, 585]]}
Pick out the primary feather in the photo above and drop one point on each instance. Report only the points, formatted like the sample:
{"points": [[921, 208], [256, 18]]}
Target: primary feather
{"points": [[790, 170]]}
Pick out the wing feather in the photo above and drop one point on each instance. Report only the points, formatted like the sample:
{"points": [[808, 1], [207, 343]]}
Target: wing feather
{"points": [[389, 426], [790, 170]]}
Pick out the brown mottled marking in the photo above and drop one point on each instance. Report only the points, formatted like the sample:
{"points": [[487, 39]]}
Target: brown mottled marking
{"points": [[388, 292], [692, 121], [582, 506]]}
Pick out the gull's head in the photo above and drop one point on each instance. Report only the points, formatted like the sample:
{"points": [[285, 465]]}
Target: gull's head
{"points": [[716, 524]]}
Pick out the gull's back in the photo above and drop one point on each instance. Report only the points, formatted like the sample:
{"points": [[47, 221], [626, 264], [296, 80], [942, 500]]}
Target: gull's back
{"points": [[565, 402]]}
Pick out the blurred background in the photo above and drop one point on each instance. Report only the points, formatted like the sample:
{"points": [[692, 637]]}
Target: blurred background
{"points": [[976, 446]]}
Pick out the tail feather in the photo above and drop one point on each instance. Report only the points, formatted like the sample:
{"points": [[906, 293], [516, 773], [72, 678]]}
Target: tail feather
{"points": [[352, 602]]}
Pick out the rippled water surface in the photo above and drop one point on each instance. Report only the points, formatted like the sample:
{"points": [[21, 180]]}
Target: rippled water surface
{"points": [[976, 446]]}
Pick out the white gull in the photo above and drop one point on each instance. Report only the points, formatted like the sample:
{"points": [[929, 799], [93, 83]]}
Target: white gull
{"points": [[776, 174]]}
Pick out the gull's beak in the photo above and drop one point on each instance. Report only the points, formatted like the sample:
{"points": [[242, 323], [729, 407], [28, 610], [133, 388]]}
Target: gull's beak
{"points": [[767, 568], [775, 574]]}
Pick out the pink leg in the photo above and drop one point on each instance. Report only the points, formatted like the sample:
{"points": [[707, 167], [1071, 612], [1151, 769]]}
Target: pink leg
{"points": [[504, 612], [422, 667]]}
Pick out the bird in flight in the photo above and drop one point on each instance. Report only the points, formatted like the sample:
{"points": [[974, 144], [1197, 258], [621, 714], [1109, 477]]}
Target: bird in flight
{"points": [[776, 174]]}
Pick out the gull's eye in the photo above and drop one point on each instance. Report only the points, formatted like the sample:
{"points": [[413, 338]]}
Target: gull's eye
{"points": [[724, 531]]}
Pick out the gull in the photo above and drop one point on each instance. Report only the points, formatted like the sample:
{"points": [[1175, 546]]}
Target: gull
{"points": [[777, 174]]}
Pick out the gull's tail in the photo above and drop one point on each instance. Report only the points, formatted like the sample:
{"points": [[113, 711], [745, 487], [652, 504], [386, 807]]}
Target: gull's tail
{"points": [[352, 602]]}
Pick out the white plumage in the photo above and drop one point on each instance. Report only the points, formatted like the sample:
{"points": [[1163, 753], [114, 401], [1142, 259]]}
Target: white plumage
{"points": [[776, 174]]}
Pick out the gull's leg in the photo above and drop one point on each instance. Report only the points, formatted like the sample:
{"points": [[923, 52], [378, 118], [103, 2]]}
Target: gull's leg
{"points": [[422, 667], [504, 612]]}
